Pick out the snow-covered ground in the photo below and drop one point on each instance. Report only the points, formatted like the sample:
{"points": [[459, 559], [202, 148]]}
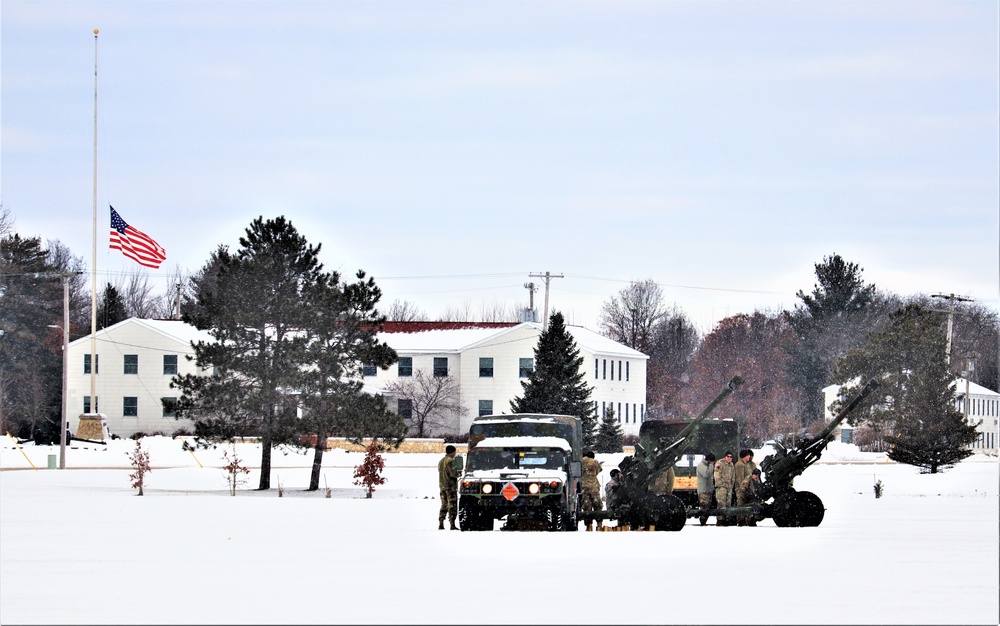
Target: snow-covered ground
{"points": [[77, 546]]}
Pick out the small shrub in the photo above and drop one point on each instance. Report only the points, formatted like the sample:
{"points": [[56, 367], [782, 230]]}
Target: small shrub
{"points": [[236, 472], [140, 463], [369, 473]]}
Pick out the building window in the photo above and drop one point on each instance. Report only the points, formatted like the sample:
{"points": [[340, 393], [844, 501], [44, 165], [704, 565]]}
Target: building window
{"points": [[169, 406], [405, 366], [486, 369], [86, 363], [604, 368], [440, 366], [525, 367], [626, 372], [86, 405], [612, 370], [626, 412], [619, 370], [170, 364], [369, 369], [485, 407], [131, 364], [404, 408], [597, 369], [130, 406]]}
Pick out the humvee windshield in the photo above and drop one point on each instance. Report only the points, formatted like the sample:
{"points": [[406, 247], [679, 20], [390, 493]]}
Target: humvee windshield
{"points": [[516, 458]]}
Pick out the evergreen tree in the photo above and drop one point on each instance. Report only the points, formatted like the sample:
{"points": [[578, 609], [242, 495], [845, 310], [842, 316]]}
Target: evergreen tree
{"points": [[31, 298], [557, 384], [914, 408], [255, 315], [609, 434], [340, 337], [110, 308], [828, 323]]}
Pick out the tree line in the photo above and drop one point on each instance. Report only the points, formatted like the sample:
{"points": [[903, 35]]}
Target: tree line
{"points": [[843, 332], [786, 357]]}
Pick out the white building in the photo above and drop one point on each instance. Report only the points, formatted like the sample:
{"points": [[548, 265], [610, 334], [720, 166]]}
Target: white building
{"points": [[137, 358], [983, 408], [489, 362]]}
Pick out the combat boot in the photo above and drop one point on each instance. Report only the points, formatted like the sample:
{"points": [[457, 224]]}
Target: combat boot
{"points": [[453, 527], [441, 524], [590, 526]]}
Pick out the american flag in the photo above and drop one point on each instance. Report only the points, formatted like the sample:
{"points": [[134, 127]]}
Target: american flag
{"points": [[134, 243]]}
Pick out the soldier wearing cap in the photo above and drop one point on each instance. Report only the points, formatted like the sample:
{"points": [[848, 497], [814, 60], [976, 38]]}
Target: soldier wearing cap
{"points": [[448, 484], [724, 483], [750, 492]]}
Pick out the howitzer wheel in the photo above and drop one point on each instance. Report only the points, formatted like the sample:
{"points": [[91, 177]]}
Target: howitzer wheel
{"points": [[798, 509], [662, 511]]}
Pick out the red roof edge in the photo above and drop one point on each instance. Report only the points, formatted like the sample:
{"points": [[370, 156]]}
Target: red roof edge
{"points": [[416, 327]]}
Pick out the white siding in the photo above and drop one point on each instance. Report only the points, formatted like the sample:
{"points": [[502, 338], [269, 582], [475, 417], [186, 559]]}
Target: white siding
{"points": [[149, 340]]}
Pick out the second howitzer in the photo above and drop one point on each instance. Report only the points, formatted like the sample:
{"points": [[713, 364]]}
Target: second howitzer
{"points": [[800, 508], [639, 506]]}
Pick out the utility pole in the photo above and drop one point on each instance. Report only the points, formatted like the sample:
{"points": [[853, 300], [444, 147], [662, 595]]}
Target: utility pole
{"points": [[545, 314], [951, 316]]}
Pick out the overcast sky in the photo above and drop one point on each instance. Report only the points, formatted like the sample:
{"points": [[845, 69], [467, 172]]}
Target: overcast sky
{"points": [[451, 149]]}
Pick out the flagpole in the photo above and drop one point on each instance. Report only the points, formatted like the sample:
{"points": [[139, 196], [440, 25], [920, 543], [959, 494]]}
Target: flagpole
{"points": [[93, 265]]}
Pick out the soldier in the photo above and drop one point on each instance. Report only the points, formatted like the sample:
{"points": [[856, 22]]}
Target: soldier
{"points": [[448, 484], [706, 485], [724, 475], [590, 500], [749, 493], [612, 490], [743, 467]]}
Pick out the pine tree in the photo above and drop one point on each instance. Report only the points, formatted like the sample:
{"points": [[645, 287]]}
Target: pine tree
{"points": [[340, 337], [254, 311], [557, 384], [111, 308], [829, 322], [609, 434], [914, 410]]}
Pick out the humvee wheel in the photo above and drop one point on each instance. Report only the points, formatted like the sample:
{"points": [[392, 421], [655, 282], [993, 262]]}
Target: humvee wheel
{"points": [[662, 512], [797, 510]]}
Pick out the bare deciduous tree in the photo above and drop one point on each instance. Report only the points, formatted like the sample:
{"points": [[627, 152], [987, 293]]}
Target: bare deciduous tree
{"points": [[630, 316], [405, 311], [435, 403]]}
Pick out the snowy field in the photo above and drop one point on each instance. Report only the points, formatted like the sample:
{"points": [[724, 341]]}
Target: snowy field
{"points": [[77, 547]]}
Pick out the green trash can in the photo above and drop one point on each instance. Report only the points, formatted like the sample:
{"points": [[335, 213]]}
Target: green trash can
{"points": [[52, 461]]}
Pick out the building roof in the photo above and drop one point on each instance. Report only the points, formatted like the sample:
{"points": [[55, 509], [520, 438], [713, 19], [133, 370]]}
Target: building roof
{"points": [[463, 335], [410, 337], [177, 330]]}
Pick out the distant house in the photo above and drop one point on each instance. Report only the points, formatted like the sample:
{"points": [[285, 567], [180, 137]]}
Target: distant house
{"points": [[983, 408], [135, 361], [137, 358], [491, 360]]}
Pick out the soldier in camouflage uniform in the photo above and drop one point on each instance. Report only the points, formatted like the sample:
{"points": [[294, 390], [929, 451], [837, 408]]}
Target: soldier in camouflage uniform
{"points": [[724, 483], [448, 484], [741, 472], [706, 485], [749, 493], [590, 499], [743, 467]]}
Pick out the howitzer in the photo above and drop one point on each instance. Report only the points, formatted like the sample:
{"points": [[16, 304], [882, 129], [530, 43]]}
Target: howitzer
{"points": [[800, 508], [640, 507]]}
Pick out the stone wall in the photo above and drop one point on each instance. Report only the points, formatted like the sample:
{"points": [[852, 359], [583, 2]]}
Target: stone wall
{"points": [[434, 446]]}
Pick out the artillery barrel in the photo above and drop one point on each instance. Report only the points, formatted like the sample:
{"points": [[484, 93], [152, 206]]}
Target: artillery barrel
{"points": [[667, 456], [868, 389]]}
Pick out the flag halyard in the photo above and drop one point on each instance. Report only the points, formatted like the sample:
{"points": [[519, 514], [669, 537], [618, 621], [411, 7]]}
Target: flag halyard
{"points": [[134, 243]]}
